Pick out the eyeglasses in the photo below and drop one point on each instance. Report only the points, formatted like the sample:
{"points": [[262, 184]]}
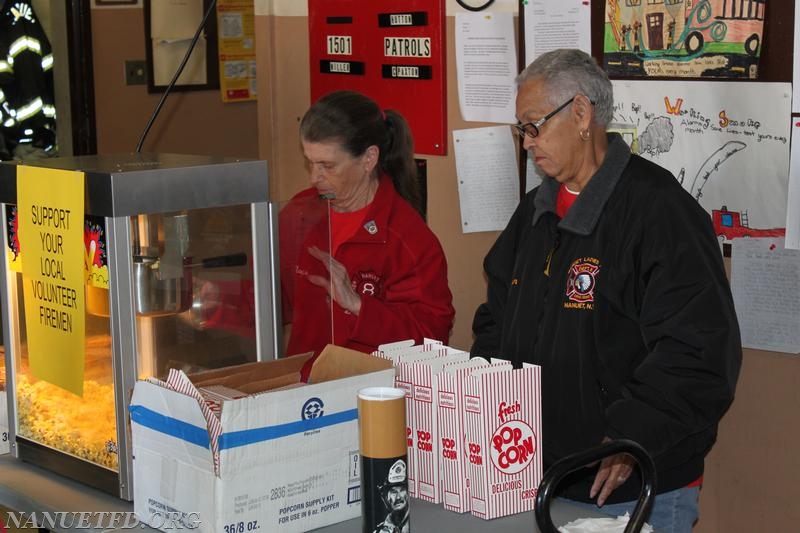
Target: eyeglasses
{"points": [[531, 129]]}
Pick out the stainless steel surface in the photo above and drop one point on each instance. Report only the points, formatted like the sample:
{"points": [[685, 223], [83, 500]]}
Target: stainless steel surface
{"points": [[27, 488], [226, 201], [267, 280], [10, 324], [430, 518], [156, 296], [132, 184], [123, 341]]}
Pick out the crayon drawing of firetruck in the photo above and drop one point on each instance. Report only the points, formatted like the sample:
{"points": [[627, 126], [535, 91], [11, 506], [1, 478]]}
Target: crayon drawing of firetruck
{"points": [[733, 224]]}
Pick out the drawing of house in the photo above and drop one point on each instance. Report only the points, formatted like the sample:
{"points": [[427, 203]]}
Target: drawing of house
{"points": [[655, 28]]}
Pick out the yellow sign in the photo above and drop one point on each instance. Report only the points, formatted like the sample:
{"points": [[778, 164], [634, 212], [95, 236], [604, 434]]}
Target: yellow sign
{"points": [[237, 52], [50, 219]]}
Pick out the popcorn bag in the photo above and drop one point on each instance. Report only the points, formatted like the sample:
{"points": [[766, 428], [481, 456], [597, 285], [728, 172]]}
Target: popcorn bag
{"points": [[425, 427], [502, 418], [453, 465], [404, 380], [400, 353]]}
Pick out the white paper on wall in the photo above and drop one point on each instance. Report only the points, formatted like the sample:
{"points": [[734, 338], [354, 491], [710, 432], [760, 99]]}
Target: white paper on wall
{"points": [[488, 177], [486, 65], [727, 143], [765, 279]]}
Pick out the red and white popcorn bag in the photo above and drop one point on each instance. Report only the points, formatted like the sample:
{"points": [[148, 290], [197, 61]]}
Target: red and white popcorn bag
{"points": [[404, 380], [453, 461], [424, 426], [502, 416]]}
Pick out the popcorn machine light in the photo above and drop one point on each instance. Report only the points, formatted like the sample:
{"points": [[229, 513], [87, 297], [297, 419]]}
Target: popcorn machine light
{"points": [[166, 239]]}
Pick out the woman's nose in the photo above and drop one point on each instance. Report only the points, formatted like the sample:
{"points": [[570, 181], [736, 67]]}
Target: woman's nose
{"points": [[315, 176], [528, 142]]}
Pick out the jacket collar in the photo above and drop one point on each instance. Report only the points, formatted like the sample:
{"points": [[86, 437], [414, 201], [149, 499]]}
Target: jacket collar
{"points": [[375, 227], [582, 217]]}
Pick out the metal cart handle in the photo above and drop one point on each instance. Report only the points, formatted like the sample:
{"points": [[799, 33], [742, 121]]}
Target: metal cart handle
{"points": [[573, 462]]}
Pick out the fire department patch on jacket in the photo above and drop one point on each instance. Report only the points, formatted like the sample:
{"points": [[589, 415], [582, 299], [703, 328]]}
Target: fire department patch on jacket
{"points": [[581, 281], [368, 283]]}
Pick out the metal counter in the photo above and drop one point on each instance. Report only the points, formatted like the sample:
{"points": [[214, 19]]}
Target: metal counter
{"points": [[28, 488]]}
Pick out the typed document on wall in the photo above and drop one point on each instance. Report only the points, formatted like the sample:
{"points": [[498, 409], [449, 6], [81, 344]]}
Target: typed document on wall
{"points": [[486, 65]]}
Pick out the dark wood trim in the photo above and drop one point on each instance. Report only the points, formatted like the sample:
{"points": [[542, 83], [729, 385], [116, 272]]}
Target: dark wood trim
{"points": [[212, 54], [81, 77]]}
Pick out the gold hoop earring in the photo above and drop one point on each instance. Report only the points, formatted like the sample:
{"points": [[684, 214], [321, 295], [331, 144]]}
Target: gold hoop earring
{"points": [[585, 135]]}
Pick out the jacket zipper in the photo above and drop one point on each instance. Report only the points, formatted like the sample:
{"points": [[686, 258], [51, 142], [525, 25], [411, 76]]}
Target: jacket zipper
{"points": [[549, 257]]}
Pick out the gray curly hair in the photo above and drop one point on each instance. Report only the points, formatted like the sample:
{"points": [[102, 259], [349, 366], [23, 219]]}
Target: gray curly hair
{"points": [[567, 72]]}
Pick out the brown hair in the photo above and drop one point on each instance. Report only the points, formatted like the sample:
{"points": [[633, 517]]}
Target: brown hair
{"points": [[357, 122]]}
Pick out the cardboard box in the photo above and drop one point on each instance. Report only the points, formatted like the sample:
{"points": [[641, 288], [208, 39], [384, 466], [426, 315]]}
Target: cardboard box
{"points": [[503, 421], [287, 459]]}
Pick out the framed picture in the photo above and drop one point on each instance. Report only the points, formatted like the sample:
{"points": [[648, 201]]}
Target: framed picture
{"points": [[169, 30], [117, 3]]}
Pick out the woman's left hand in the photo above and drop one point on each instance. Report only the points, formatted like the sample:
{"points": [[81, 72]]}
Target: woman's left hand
{"points": [[613, 472], [339, 286]]}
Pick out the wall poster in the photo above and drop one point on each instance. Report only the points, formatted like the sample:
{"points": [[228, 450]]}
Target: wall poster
{"points": [[392, 51], [683, 38], [720, 140], [237, 51]]}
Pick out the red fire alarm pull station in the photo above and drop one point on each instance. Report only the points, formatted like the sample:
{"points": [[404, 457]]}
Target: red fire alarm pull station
{"points": [[392, 51]]}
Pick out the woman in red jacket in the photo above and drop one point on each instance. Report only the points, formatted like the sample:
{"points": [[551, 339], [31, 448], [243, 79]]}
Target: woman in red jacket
{"points": [[359, 266]]}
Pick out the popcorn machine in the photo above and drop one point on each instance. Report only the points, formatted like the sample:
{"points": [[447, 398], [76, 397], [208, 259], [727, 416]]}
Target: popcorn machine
{"points": [[165, 244]]}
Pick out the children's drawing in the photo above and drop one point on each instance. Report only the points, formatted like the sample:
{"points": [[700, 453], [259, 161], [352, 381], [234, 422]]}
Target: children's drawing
{"points": [[683, 38], [730, 152]]}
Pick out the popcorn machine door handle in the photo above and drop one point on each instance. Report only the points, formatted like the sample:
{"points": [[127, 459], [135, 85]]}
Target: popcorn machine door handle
{"points": [[237, 259], [573, 462]]}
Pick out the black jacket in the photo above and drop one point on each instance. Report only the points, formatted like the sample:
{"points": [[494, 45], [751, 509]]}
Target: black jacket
{"points": [[634, 326]]}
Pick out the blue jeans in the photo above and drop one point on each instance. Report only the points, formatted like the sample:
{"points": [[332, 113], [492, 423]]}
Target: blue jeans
{"points": [[673, 512]]}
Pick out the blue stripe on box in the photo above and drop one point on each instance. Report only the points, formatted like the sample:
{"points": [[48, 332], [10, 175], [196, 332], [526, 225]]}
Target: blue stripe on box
{"points": [[199, 436], [235, 439], [169, 426]]}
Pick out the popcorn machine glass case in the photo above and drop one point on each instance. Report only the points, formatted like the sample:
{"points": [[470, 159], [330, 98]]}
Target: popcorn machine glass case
{"points": [[170, 242]]}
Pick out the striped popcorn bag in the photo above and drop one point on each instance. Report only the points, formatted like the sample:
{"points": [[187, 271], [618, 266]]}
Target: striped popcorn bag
{"points": [[502, 415]]}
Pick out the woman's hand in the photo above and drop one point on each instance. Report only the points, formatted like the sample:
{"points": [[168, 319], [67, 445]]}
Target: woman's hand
{"points": [[339, 286], [613, 472]]}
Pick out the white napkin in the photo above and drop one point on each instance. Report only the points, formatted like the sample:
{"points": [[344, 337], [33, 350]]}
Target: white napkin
{"points": [[601, 525]]}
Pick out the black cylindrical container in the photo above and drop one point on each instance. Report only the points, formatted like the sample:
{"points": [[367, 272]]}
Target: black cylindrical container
{"points": [[385, 503]]}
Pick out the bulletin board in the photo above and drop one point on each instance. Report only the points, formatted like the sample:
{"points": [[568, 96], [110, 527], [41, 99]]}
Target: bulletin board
{"points": [[773, 66], [392, 51]]}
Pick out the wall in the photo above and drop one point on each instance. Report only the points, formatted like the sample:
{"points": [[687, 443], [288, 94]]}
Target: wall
{"points": [[195, 122], [751, 478], [282, 62]]}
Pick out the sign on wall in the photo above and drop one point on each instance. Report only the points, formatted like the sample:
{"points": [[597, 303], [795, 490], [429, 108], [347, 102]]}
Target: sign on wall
{"points": [[392, 51]]}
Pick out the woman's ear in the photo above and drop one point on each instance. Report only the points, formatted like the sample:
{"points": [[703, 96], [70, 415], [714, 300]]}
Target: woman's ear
{"points": [[583, 109], [371, 156]]}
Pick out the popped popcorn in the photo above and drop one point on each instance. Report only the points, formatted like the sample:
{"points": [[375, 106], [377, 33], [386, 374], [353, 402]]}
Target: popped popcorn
{"points": [[84, 427]]}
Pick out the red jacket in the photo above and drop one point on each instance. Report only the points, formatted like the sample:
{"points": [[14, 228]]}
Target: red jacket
{"points": [[395, 263]]}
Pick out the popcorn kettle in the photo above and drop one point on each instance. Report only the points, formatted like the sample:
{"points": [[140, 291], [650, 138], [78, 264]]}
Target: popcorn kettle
{"points": [[163, 282]]}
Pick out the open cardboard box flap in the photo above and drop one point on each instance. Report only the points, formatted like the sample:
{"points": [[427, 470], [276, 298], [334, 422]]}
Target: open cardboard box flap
{"points": [[333, 363], [236, 376], [336, 362]]}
